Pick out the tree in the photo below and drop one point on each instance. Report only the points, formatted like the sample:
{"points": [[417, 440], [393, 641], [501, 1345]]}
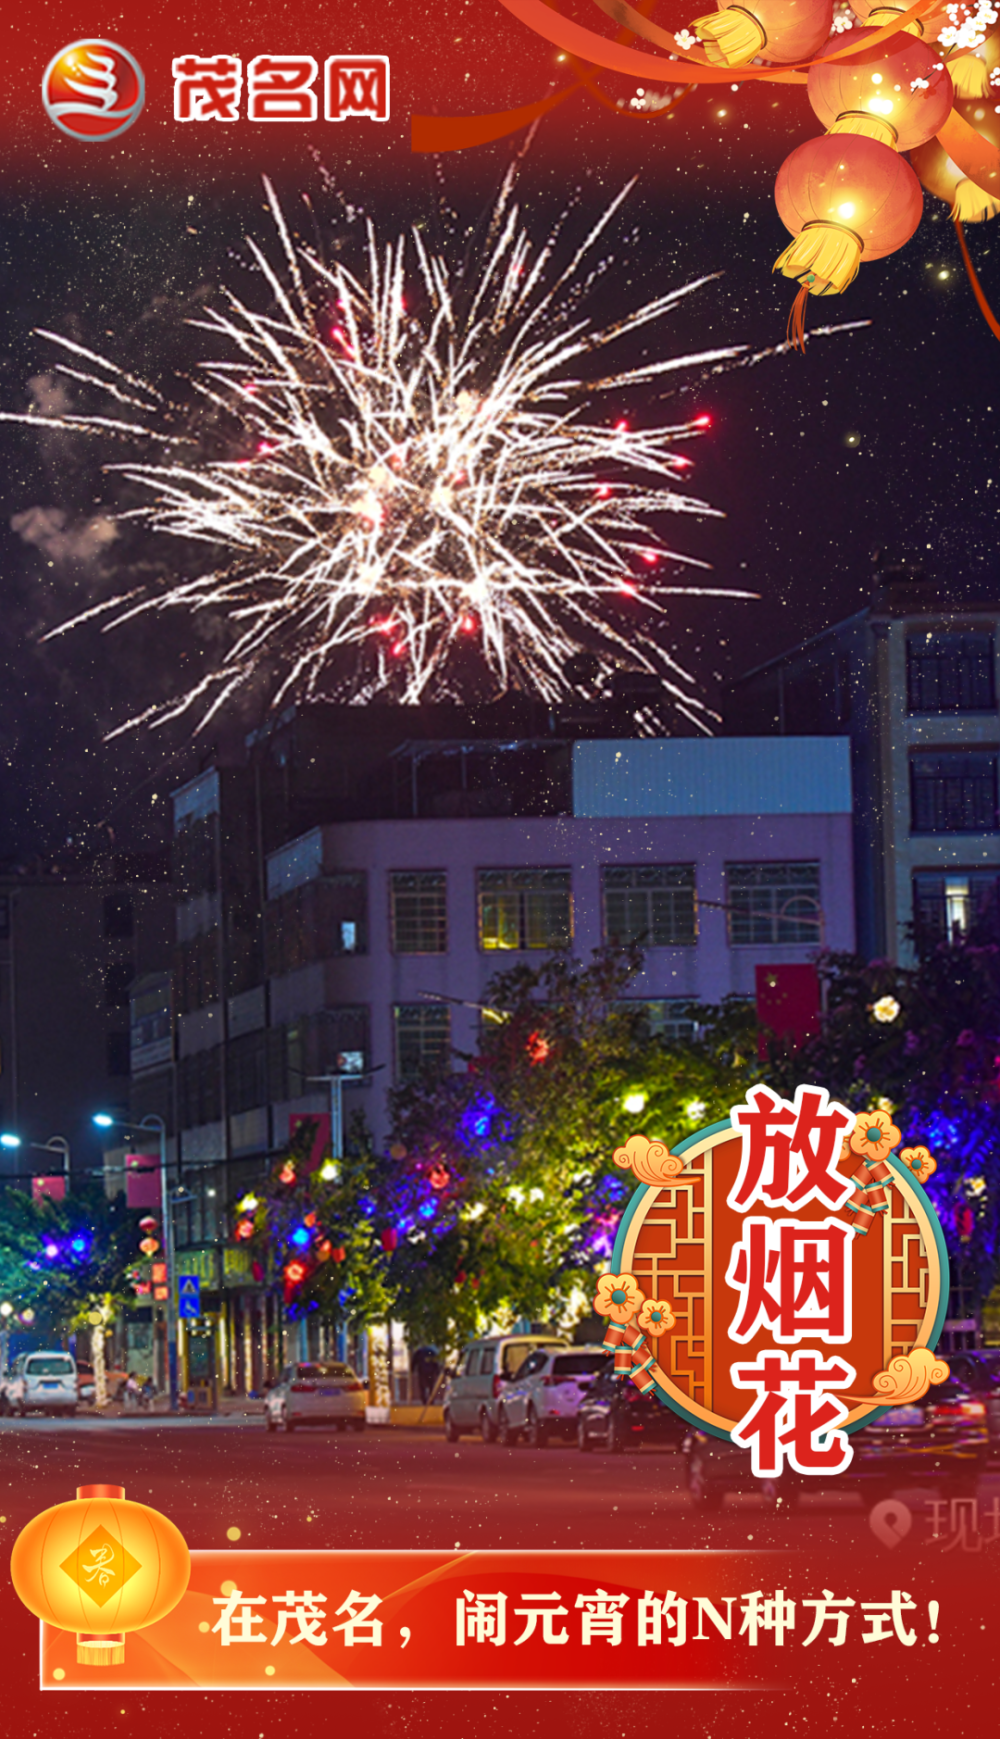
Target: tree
{"points": [[314, 1228], [61, 1259], [505, 1191], [926, 1040]]}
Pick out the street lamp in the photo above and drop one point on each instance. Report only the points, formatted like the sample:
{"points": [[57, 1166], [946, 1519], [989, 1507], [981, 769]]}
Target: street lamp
{"points": [[55, 1144], [156, 1124]]}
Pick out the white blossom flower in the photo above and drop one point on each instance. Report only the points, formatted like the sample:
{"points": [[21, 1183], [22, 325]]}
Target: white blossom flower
{"points": [[885, 1009]]}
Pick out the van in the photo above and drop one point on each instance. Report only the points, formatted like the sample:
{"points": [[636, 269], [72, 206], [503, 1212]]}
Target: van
{"points": [[43, 1382], [486, 1367]]}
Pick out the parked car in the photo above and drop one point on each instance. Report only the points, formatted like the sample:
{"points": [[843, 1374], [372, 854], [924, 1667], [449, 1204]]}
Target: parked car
{"points": [[472, 1398], [42, 1382], [316, 1394], [615, 1416], [545, 1397], [114, 1378], [939, 1441], [979, 1371]]}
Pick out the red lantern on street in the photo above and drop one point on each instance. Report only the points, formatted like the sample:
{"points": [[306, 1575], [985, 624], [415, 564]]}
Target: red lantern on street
{"points": [[783, 31], [100, 1567], [149, 1224], [389, 1239], [896, 92], [844, 198], [149, 1246]]}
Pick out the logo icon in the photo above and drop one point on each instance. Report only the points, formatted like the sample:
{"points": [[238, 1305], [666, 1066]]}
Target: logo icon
{"points": [[101, 1566], [93, 90]]}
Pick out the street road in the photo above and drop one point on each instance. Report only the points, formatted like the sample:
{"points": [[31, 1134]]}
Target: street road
{"points": [[396, 1488], [393, 1488]]}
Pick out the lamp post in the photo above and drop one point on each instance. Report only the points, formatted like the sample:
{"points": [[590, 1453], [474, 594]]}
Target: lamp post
{"points": [[156, 1124], [55, 1144]]}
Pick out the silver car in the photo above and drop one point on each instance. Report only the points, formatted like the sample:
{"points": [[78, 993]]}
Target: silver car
{"points": [[324, 1393], [546, 1399], [43, 1382], [487, 1368]]}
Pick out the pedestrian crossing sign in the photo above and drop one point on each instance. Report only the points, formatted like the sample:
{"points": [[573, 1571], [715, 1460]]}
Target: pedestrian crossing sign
{"points": [[189, 1294]]}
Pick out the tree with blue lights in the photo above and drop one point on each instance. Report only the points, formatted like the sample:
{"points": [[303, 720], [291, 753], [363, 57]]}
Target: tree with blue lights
{"points": [[926, 1040], [57, 1257]]}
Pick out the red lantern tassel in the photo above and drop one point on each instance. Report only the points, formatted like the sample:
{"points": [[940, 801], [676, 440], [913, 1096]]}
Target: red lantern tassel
{"points": [[795, 331]]}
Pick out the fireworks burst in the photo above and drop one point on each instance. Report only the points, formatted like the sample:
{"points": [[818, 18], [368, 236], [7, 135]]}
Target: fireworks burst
{"points": [[397, 497]]}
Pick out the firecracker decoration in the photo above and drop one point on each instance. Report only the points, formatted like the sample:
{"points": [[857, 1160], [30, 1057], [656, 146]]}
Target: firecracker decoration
{"points": [[102, 1567], [782, 31]]}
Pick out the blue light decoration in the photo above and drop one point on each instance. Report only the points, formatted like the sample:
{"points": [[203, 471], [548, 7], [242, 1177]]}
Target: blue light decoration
{"points": [[427, 1210], [300, 1237], [79, 1246]]}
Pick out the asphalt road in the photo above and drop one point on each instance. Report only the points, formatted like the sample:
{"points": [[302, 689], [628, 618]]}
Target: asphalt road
{"points": [[401, 1488]]}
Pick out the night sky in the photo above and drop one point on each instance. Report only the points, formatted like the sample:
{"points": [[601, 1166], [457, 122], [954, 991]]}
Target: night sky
{"points": [[880, 439]]}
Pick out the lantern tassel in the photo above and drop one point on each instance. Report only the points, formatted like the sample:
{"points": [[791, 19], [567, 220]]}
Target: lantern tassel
{"points": [[795, 331], [825, 255], [731, 37], [970, 76], [972, 204]]}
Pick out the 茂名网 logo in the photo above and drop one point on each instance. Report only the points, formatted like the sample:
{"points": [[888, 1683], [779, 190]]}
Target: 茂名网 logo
{"points": [[93, 90]]}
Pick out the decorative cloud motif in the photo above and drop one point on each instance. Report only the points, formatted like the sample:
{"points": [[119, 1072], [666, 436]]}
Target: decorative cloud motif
{"points": [[651, 1161], [908, 1377]]}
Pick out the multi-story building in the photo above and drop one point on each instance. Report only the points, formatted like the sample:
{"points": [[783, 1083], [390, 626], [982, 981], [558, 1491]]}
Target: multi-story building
{"points": [[74, 933], [363, 945], [912, 680], [714, 856]]}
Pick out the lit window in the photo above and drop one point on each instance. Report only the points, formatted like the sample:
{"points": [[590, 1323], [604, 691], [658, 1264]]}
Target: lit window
{"points": [[525, 908]]}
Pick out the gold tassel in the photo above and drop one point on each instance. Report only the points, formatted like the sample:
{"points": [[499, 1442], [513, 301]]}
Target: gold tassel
{"points": [[870, 126], [731, 37], [970, 76], [879, 16], [823, 255], [971, 205]]}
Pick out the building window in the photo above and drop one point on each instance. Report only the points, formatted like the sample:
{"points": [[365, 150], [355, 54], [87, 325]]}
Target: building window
{"points": [[418, 909], [773, 904], [118, 920], [119, 1054], [318, 921], [670, 1019], [950, 673], [117, 981], [652, 905], [956, 904], [199, 1088], [525, 908], [423, 1039], [953, 793]]}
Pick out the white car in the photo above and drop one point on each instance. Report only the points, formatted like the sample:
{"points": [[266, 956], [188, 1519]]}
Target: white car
{"points": [[316, 1394], [40, 1383], [546, 1397]]}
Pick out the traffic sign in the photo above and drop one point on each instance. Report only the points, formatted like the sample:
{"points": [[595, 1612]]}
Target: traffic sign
{"points": [[189, 1294]]}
